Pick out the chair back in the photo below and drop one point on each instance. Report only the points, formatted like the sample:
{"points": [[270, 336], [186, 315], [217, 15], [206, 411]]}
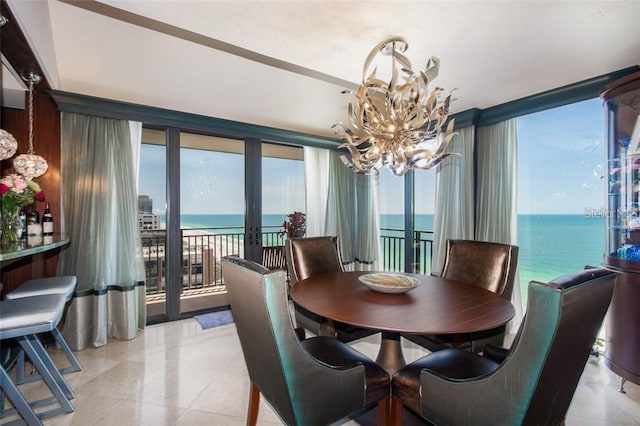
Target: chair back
{"points": [[295, 384], [491, 266], [273, 257], [535, 383], [311, 256], [579, 302]]}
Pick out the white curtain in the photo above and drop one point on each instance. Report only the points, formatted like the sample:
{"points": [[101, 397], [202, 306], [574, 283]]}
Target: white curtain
{"points": [[135, 129], [343, 203], [352, 214], [316, 177], [496, 210], [454, 211], [99, 205]]}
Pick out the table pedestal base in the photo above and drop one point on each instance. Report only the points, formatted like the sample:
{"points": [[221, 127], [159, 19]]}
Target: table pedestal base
{"points": [[390, 356]]}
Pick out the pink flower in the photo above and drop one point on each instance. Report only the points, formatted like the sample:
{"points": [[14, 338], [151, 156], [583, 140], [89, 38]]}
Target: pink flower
{"points": [[17, 192], [19, 185]]}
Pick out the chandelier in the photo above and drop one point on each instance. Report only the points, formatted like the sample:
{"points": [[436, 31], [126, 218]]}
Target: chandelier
{"points": [[30, 165], [8, 145], [397, 124]]}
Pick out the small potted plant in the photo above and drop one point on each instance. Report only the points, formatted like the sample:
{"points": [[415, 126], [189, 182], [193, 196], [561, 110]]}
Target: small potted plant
{"points": [[295, 225]]}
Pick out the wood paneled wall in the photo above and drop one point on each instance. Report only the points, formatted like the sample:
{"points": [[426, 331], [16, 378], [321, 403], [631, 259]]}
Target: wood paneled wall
{"points": [[46, 142]]}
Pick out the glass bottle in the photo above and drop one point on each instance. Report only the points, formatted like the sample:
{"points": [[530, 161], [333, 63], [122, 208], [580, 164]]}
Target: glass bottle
{"points": [[47, 220], [23, 221], [33, 221]]}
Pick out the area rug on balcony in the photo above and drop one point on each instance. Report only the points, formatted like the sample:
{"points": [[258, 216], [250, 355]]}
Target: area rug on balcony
{"points": [[214, 319]]}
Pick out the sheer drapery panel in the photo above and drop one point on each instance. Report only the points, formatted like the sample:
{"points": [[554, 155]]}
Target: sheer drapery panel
{"points": [[99, 204], [343, 203], [496, 211], [352, 212], [454, 212], [316, 177]]}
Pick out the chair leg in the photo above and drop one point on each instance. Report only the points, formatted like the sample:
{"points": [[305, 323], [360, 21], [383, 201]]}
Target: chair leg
{"points": [[396, 412], [254, 404], [383, 410]]}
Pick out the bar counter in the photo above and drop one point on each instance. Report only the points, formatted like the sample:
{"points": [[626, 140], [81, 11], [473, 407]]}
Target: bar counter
{"points": [[31, 246]]}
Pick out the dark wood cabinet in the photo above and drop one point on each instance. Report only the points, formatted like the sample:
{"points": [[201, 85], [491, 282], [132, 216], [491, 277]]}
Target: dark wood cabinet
{"points": [[622, 325]]}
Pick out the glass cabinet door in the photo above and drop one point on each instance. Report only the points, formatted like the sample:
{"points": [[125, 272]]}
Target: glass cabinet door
{"points": [[623, 209]]}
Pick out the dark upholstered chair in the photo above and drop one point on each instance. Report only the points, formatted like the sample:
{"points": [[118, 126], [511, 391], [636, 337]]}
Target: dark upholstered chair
{"points": [[312, 256], [317, 381], [273, 257], [530, 384], [488, 265]]}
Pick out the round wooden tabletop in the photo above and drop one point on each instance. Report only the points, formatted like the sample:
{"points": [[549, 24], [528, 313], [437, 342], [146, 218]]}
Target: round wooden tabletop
{"points": [[436, 306]]}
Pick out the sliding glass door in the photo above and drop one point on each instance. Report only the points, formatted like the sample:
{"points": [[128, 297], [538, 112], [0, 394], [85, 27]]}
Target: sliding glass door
{"points": [[212, 216], [203, 197], [152, 215], [283, 194]]}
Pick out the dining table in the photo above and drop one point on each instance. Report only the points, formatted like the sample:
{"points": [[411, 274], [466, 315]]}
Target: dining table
{"points": [[435, 306]]}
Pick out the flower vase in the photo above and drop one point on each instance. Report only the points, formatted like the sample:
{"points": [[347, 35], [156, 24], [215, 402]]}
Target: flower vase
{"points": [[11, 225]]}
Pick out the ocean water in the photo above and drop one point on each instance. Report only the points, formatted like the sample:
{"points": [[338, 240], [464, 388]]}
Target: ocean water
{"points": [[271, 222], [550, 245]]}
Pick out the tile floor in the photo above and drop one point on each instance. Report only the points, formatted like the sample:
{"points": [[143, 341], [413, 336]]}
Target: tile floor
{"points": [[178, 374]]}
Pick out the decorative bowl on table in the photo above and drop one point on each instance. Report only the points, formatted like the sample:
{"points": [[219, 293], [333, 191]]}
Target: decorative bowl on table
{"points": [[389, 283]]}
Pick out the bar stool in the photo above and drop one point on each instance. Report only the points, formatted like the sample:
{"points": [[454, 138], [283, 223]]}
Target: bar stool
{"points": [[22, 319], [63, 285]]}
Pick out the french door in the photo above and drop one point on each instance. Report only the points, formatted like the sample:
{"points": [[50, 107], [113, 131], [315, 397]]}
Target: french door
{"points": [[201, 198]]}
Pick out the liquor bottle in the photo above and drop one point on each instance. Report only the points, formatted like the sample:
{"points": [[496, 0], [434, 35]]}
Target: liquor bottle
{"points": [[33, 221], [47, 220], [23, 221]]}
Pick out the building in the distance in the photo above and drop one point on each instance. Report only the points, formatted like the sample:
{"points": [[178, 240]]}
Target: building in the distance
{"points": [[145, 204], [146, 219]]}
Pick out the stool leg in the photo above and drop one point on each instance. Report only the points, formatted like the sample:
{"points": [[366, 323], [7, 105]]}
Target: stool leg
{"points": [[47, 363], [75, 364], [22, 377], [37, 354], [18, 401]]}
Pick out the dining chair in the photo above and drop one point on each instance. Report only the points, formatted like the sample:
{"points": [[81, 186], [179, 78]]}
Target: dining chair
{"points": [[533, 382], [273, 257], [308, 256], [491, 266], [315, 381]]}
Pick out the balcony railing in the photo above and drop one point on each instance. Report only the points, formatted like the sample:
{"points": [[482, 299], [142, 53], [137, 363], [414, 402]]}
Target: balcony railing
{"points": [[393, 258], [203, 249]]}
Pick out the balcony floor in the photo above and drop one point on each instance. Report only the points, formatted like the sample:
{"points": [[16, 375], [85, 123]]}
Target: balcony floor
{"points": [[178, 374], [195, 300]]}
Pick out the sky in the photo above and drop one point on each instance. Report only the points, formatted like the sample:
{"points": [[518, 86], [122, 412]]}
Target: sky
{"points": [[562, 159], [213, 182], [561, 164]]}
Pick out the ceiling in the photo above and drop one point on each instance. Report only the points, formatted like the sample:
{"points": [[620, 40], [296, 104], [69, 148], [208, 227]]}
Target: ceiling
{"points": [[284, 63]]}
